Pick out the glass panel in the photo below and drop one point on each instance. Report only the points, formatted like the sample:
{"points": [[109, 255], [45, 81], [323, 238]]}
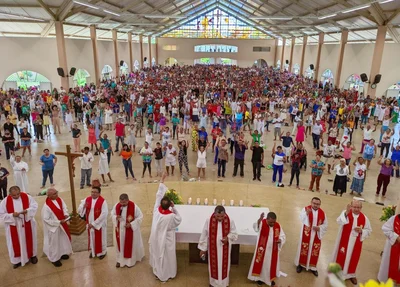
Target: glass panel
{"points": [[211, 48]]}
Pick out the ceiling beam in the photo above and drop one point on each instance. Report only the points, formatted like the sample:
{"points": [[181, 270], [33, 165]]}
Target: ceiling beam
{"points": [[381, 19], [394, 15], [46, 30], [26, 6], [64, 9], [79, 8], [48, 10], [23, 21]]}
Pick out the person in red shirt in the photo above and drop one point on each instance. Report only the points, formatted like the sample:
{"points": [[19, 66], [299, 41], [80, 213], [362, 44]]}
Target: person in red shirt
{"points": [[119, 133]]}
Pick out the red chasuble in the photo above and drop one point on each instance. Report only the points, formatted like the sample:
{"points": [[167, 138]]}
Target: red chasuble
{"points": [[58, 212], [306, 240], [344, 242], [262, 246], [27, 225], [98, 245], [130, 216], [394, 268], [212, 249]]}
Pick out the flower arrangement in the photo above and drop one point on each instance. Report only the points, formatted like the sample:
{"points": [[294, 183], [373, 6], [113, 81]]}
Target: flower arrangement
{"points": [[174, 196], [388, 212]]}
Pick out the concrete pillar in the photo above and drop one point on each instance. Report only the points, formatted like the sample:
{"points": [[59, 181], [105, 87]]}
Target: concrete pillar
{"points": [[62, 53], [377, 58], [115, 45], [93, 38], [141, 50], [130, 51], [276, 52], [283, 54], [156, 56], [318, 61], [149, 47], [291, 54], [303, 53], [343, 42]]}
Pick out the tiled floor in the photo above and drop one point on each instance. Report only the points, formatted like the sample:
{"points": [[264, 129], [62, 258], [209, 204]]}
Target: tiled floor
{"points": [[286, 202]]}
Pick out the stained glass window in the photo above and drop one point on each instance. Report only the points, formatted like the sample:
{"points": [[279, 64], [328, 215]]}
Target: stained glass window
{"points": [[216, 24], [212, 48]]}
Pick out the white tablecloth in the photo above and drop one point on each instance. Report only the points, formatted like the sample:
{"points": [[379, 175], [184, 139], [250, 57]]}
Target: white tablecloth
{"points": [[194, 217]]}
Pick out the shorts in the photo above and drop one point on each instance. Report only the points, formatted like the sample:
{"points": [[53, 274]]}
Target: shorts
{"points": [[195, 118], [170, 163], [25, 142], [201, 163], [367, 156], [328, 160], [287, 150]]}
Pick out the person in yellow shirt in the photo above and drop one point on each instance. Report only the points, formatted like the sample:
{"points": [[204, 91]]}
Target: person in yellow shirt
{"points": [[247, 120], [13, 119], [7, 109]]}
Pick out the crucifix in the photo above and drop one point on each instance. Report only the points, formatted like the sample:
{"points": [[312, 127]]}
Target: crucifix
{"points": [[77, 225]]}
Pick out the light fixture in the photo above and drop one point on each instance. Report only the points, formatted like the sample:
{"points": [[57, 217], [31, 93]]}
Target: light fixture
{"points": [[111, 12], [86, 4], [156, 16], [356, 8], [327, 16], [271, 18], [21, 16], [385, 1]]}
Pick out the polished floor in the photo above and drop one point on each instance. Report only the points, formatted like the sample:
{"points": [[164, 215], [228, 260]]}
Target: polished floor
{"points": [[286, 202]]}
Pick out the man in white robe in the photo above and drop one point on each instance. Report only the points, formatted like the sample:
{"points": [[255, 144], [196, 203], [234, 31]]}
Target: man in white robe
{"points": [[127, 218], [94, 210], [354, 229], [20, 169], [162, 245], [17, 211], [57, 238], [314, 226], [390, 264], [219, 232], [265, 266]]}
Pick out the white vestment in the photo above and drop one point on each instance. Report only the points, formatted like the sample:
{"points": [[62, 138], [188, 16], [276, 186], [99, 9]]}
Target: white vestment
{"points": [[10, 220], [162, 245], [203, 246], [265, 275], [103, 163], [322, 230], [99, 223], [56, 242], [391, 238], [366, 231], [137, 246], [20, 176]]}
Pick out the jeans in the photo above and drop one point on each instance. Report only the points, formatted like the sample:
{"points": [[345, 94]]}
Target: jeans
{"points": [[221, 164], [216, 155], [8, 149], [295, 172], [128, 166], [278, 169], [256, 169], [3, 189], [86, 174], [364, 119], [383, 147], [117, 138], [316, 179], [384, 180], [174, 132], [238, 162], [315, 140], [47, 173], [146, 165], [108, 157], [397, 171]]}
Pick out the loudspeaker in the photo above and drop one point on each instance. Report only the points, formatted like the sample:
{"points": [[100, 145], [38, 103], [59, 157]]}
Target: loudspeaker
{"points": [[72, 71], [287, 62], [60, 72], [364, 77], [312, 66], [121, 63], [377, 79], [145, 59]]}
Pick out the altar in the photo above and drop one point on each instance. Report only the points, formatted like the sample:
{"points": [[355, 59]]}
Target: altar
{"points": [[194, 217]]}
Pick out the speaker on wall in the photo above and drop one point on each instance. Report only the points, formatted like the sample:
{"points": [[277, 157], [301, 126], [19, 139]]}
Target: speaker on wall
{"points": [[312, 66], [60, 72], [287, 62], [72, 71], [121, 63], [364, 77], [377, 79]]}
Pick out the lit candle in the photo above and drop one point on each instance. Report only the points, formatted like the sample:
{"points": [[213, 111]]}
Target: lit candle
{"points": [[190, 200], [198, 201], [214, 202], [206, 201], [223, 202], [232, 202], [241, 203]]}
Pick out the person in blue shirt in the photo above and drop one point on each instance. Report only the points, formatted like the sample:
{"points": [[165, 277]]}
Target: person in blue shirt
{"points": [[203, 134], [106, 144], [395, 158], [175, 122], [48, 162], [279, 158]]}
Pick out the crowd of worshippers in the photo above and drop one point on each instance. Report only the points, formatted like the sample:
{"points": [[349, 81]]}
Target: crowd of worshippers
{"points": [[18, 211]]}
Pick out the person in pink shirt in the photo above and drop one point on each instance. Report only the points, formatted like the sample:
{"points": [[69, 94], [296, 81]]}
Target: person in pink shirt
{"points": [[347, 152], [301, 133]]}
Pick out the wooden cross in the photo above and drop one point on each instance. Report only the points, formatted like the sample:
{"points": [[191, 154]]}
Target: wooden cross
{"points": [[77, 225]]}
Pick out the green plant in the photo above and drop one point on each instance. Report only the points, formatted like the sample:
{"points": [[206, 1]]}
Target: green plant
{"points": [[388, 212], [174, 196], [255, 205]]}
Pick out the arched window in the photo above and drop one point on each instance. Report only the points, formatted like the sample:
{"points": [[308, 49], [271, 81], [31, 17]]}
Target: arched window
{"points": [[136, 65], [215, 48], [296, 69], [27, 79], [204, 61], [309, 74], [170, 62], [226, 61], [124, 69], [278, 64], [354, 82], [81, 78], [260, 63], [393, 91], [106, 72], [153, 61], [327, 77]]}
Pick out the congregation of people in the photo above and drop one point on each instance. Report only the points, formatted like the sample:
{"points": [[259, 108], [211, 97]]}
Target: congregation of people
{"points": [[219, 113]]}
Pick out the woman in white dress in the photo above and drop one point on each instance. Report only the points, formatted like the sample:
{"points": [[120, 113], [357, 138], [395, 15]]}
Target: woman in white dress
{"points": [[69, 120], [103, 165], [131, 139], [108, 121], [20, 172]]}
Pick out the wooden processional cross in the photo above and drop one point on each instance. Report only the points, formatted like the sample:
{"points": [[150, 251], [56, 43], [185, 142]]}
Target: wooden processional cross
{"points": [[77, 225]]}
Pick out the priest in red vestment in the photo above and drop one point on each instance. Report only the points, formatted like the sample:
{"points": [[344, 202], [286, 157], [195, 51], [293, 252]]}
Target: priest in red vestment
{"points": [[314, 227], [57, 238], [218, 234], [390, 264], [354, 229], [94, 209], [127, 218], [18, 211], [265, 266]]}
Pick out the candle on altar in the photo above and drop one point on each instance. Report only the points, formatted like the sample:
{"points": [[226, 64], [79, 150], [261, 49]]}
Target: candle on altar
{"points": [[241, 203], [198, 201], [214, 202], [206, 201], [223, 202], [190, 200], [232, 202]]}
